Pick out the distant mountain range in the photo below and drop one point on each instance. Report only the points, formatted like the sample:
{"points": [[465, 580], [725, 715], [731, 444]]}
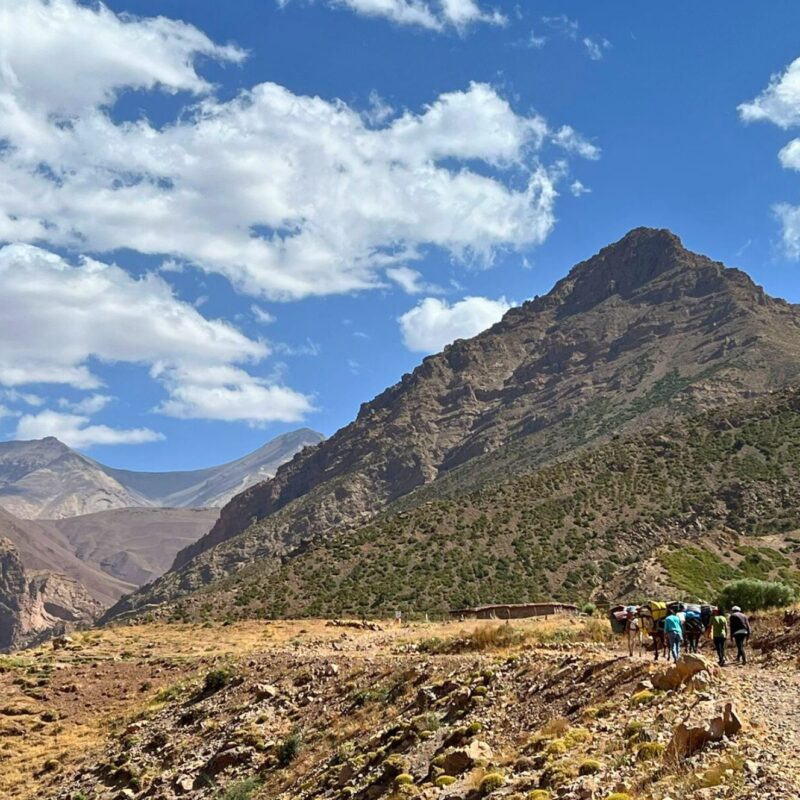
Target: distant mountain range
{"points": [[641, 335], [45, 479], [75, 534]]}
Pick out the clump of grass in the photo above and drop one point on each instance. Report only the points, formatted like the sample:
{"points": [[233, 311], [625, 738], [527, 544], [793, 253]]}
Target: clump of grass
{"points": [[241, 790], [491, 782], [288, 750], [538, 794], [404, 779], [444, 780], [589, 767], [640, 698], [649, 751]]}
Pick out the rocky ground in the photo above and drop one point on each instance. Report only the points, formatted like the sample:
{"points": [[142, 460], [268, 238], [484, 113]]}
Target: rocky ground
{"points": [[544, 709]]}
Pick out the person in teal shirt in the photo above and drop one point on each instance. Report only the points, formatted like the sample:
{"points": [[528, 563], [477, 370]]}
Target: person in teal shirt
{"points": [[674, 631]]}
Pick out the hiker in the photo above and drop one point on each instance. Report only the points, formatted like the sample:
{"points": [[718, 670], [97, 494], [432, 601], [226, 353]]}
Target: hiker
{"points": [[740, 631], [674, 632], [719, 630], [694, 630]]}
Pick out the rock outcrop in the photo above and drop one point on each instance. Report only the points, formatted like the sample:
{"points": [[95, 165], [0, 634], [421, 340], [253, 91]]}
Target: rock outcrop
{"points": [[36, 605]]}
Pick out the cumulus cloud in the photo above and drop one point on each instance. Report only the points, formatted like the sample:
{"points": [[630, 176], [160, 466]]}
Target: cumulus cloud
{"points": [[434, 323], [779, 104], [76, 431], [55, 317], [285, 195], [436, 15]]}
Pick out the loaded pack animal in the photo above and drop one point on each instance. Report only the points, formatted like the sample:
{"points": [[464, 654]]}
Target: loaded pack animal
{"points": [[652, 616]]}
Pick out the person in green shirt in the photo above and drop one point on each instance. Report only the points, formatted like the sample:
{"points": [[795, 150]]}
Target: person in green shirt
{"points": [[674, 632], [719, 630]]}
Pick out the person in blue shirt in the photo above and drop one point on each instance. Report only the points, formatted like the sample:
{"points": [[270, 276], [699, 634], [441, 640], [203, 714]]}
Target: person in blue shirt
{"points": [[674, 632]]}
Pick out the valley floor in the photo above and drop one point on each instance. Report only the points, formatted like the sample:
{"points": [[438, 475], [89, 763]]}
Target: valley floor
{"points": [[308, 709]]}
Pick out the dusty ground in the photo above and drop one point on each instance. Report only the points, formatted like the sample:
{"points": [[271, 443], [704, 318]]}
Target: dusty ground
{"points": [[122, 713]]}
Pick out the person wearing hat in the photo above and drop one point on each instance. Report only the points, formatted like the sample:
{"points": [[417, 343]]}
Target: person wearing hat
{"points": [[739, 627]]}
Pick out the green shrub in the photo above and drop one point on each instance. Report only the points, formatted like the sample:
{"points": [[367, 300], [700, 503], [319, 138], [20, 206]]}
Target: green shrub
{"points": [[649, 751], [288, 750], [490, 782], [589, 608], [215, 680], [640, 698], [538, 794], [444, 780], [241, 790], [404, 779], [589, 767], [754, 595]]}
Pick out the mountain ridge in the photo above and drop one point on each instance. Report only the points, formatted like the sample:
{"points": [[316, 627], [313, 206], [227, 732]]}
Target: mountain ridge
{"points": [[45, 479], [642, 332]]}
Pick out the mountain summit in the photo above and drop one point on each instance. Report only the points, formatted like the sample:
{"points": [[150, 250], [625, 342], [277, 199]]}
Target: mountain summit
{"points": [[642, 332], [45, 479]]}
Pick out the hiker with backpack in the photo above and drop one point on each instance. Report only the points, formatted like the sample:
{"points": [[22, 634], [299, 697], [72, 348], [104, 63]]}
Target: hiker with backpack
{"points": [[674, 631], [740, 632], [694, 629], [719, 630]]}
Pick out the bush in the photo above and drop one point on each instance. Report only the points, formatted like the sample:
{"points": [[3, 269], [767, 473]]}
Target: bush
{"points": [[589, 767], [490, 782], [404, 779], [539, 794], [649, 751], [289, 748], [444, 780], [215, 680], [241, 790], [754, 595], [589, 608]]}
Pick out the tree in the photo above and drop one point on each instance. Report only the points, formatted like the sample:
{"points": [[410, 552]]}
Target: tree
{"points": [[753, 595]]}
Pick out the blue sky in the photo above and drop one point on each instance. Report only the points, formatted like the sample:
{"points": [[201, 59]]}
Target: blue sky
{"points": [[224, 221]]}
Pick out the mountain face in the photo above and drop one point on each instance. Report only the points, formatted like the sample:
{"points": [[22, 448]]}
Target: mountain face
{"points": [[214, 487], [45, 479], [34, 604], [641, 333]]}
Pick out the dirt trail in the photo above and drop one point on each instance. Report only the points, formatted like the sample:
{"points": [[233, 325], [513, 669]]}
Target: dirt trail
{"points": [[769, 697]]}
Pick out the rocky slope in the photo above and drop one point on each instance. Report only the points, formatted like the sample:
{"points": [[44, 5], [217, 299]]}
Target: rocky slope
{"points": [[672, 512], [643, 332], [45, 479], [33, 604], [538, 711]]}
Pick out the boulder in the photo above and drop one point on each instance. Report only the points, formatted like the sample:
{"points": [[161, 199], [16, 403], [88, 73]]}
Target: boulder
{"points": [[461, 759], [680, 674], [689, 739], [265, 691]]}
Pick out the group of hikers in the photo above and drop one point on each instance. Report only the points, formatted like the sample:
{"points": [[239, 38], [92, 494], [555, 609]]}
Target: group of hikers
{"points": [[675, 626]]}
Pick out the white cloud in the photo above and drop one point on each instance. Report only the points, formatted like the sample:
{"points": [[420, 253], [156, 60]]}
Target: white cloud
{"points": [[87, 405], [262, 316], [6, 412], [411, 281], [56, 317], [577, 188], [779, 103], [76, 431], [434, 323], [15, 396], [286, 195], [563, 25], [230, 394], [568, 138], [596, 47], [436, 15]]}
